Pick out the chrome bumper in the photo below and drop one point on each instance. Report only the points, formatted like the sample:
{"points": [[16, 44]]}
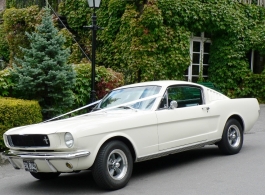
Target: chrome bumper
{"points": [[44, 156]]}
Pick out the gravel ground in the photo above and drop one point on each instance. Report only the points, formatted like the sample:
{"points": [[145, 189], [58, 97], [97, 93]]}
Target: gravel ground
{"points": [[3, 161]]}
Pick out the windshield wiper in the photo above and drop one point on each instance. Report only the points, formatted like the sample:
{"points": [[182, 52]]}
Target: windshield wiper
{"points": [[128, 107], [95, 109]]}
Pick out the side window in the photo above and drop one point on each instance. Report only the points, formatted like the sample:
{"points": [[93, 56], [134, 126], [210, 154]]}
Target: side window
{"points": [[185, 96]]}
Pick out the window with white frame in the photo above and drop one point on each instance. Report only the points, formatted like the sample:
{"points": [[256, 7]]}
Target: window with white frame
{"points": [[199, 53], [256, 61]]}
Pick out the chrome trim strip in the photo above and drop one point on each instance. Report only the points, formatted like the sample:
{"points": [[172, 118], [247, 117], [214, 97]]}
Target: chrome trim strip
{"points": [[53, 169], [43, 155], [173, 151]]}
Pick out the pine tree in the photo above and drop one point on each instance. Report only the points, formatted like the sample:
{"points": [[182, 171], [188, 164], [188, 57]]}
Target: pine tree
{"points": [[43, 73]]}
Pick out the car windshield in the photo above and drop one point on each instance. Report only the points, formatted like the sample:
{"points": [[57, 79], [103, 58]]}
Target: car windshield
{"points": [[126, 95]]}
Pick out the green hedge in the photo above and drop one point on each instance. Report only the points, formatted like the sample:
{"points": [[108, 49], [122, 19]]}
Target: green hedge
{"points": [[251, 86], [16, 112], [6, 83]]}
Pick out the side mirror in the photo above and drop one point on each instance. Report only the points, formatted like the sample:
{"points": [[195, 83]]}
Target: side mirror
{"points": [[173, 104]]}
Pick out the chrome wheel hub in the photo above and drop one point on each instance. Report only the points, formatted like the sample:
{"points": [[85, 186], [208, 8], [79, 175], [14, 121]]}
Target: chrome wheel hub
{"points": [[117, 164], [234, 136]]}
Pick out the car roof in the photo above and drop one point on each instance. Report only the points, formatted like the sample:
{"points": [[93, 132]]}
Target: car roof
{"points": [[163, 83]]}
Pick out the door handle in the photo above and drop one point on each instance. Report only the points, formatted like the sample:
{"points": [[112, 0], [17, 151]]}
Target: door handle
{"points": [[206, 108]]}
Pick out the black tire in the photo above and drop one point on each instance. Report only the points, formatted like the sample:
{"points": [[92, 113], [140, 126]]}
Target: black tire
{"points": [[45, 176], [232, 138], [113, 166]]}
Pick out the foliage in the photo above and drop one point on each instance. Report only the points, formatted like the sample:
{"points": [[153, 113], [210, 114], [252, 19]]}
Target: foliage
{"points": [[42, 74], [16, 112], [16, 22], [4, 49], [82, 86], [152, 49], [76, 55], [76, 12], [150, 39], [236, 28], [134, 40], [106, 80], [68, 37], [6, 83], [26, 3], [251, 86]]}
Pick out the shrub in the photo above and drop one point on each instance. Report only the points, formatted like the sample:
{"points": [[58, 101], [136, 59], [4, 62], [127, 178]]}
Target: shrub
{"points": [[6, 83], [16, 112], [252, 86], [106, 80]]}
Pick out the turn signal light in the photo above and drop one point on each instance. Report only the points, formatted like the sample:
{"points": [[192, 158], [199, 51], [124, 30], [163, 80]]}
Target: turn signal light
{"points": [[69, 165]]}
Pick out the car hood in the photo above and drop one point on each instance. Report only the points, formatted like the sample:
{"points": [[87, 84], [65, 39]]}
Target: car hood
{"points": [[92, 121]]}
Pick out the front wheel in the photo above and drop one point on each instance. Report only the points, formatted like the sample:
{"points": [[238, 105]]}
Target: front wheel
{"points": [[113, 166], [232, 138], [45, 176]]}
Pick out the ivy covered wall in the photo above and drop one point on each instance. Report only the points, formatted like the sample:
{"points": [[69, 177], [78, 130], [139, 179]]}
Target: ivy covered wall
{"points": [[150, 39]]}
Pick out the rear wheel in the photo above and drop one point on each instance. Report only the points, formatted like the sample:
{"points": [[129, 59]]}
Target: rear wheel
{"points": [[113, 166], [232, 138], [45, 176]]}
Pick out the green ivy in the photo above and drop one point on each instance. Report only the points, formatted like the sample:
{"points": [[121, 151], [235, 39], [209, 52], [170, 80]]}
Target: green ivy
{"points": [[150, 39], [16, 23], [4, 49], [6, 83]]}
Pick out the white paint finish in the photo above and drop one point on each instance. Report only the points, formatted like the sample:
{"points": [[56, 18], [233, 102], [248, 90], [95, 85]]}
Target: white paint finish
{"points": [[150, 132], [184, 126], [214, 95]]}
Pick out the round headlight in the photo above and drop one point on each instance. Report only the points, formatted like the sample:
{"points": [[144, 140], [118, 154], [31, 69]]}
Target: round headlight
{"points": [[69, 140]]}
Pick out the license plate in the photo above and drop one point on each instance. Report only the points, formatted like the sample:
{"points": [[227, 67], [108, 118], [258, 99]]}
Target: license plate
{"points": [[30, 166]]}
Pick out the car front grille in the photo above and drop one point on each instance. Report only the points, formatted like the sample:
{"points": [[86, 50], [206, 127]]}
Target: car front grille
{"points": [[25, 141]]}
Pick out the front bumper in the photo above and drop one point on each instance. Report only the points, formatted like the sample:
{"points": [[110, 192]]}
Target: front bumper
{"points": [[16, 157]]}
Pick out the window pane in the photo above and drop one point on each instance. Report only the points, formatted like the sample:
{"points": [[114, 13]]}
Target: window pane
{"points": [[185, 96], [195, 79], [196, 46], [258, 62], [186, 72], [207, 47], [196, 58], [206, 59], [205, 70], [195, 69]]}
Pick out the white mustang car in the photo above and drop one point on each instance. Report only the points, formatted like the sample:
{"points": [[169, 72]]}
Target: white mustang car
{"points": [[131, 124]]}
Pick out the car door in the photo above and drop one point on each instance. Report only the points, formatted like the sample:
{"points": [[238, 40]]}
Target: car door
{"points": [[189, 123]]}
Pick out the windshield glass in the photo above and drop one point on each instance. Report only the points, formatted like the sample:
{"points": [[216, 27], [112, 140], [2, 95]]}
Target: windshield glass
{"points": [[122, 96]]}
